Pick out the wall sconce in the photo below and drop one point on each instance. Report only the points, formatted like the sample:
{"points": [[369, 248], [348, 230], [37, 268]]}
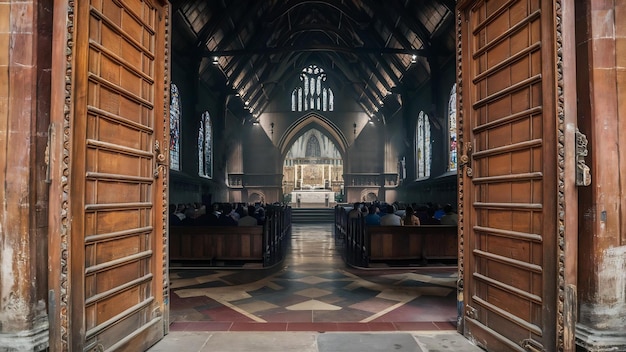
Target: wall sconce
{"points": [[216, 60], [414, 59]]}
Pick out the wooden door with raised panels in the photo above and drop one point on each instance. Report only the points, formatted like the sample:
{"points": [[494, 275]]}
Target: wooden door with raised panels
{"points": [[508, 103], [117, 190]]}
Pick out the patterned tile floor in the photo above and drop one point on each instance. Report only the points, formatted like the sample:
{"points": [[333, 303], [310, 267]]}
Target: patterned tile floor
{"points": [[313, 290]]}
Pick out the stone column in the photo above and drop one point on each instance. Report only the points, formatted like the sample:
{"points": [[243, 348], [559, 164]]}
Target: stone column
{"points": [[24, 108], [601, 82]]}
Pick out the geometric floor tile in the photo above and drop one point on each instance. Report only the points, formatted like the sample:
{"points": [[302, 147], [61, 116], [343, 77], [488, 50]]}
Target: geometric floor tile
{"points": [[312, 280], [313, 290], [313, 305]]}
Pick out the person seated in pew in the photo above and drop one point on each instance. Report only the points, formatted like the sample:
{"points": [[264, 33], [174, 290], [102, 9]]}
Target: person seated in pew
{"points": [[372, 218], [450, 217], [226, 218], [427, 217], [390, 219], [174, 219], [247, 219], [260, 215], [209, 218], [409, 218], [355, 212]]}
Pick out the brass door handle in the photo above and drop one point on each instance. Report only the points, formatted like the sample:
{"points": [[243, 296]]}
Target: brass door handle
{"points": [[160, 159], [465, 161]]}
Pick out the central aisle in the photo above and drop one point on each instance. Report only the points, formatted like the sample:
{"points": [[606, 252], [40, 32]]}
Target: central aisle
{"points": [[313, 290]]}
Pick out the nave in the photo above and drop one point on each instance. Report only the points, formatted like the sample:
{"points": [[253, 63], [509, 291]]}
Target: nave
{"points": [[313, 290]]}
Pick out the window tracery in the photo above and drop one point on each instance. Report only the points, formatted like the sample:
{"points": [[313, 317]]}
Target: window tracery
{"points": [[205, 146], [452, 155], [314, 94], [422, 146], [175, 118]]}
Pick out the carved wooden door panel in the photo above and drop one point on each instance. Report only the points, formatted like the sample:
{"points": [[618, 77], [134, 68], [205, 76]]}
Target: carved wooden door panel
{"points": [[117, 192], [509, 163]]}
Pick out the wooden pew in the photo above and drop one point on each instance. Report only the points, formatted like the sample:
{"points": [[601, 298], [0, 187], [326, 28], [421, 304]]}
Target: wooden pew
{"points": [[424, 243], [212, 243]]}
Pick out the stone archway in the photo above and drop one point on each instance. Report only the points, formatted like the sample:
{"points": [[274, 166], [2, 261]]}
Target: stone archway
{"points": [[313, 152]]}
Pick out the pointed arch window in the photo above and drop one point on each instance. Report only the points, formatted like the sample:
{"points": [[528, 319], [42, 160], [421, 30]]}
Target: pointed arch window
{"points": [[314, 94], [452, 156], [313, 149], [175, 117], [422, 146], [205, 146]]}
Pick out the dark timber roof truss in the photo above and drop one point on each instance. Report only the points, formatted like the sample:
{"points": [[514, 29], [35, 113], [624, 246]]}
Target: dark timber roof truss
{"points": [[374, 48]]}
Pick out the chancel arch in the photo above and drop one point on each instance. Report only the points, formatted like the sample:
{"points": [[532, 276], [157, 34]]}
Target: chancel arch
{"points": [[313, 169]]}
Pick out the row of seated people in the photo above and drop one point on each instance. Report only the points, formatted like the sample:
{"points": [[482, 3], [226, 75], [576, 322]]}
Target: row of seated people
{"points": [[220, 214], [411, 215]]}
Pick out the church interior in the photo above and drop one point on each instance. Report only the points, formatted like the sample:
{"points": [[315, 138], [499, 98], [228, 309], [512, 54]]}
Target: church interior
{"points": [[131, 129]]}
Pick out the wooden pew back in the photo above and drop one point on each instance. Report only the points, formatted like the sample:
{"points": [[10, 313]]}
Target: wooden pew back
{"points": [[216, 243], [424, 242]]}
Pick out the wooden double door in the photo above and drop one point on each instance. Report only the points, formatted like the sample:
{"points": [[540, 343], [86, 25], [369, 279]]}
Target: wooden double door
{"points": [[108, 248], [516, 148]]}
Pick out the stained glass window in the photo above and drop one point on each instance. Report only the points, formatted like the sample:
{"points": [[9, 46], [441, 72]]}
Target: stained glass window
{"points": [[314, 94], [452, 130], [175, 118], [422, 146], [205, 146], [313, 149]]}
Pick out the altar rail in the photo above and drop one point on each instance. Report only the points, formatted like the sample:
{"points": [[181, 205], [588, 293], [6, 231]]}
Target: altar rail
{"points": [[423, 245], [266, 244]]}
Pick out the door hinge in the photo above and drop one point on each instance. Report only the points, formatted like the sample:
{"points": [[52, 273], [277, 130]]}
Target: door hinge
{"points": [[583, 173], [531, 345]]}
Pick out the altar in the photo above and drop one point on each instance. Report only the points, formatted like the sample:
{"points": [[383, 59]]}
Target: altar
{"points": [[312, 197]]}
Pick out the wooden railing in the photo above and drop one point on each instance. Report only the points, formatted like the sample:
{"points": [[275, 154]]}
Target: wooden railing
{"points": [[364, 244], [266, 244]]}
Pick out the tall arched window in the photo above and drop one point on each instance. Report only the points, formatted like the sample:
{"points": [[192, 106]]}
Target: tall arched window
{"points": [[452, 164], [313, 149], [205, 146], [422, 146], [175, 114], [314, 94]]}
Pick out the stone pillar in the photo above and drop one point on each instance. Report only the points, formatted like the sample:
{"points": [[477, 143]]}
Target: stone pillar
{"points": [[24, 117], [601, 81]]}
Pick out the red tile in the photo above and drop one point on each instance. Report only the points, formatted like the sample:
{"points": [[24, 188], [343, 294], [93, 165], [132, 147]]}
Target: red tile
{"points": [[302, 316], [381, 326], [415, 326], [241, 326], [320, 327], [445, 325], [200, 326], [179, 326], [225, 314], [353, 326]]}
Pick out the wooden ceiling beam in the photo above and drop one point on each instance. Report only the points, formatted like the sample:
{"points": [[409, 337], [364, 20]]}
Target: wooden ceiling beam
{"points": [[317, 48]]}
